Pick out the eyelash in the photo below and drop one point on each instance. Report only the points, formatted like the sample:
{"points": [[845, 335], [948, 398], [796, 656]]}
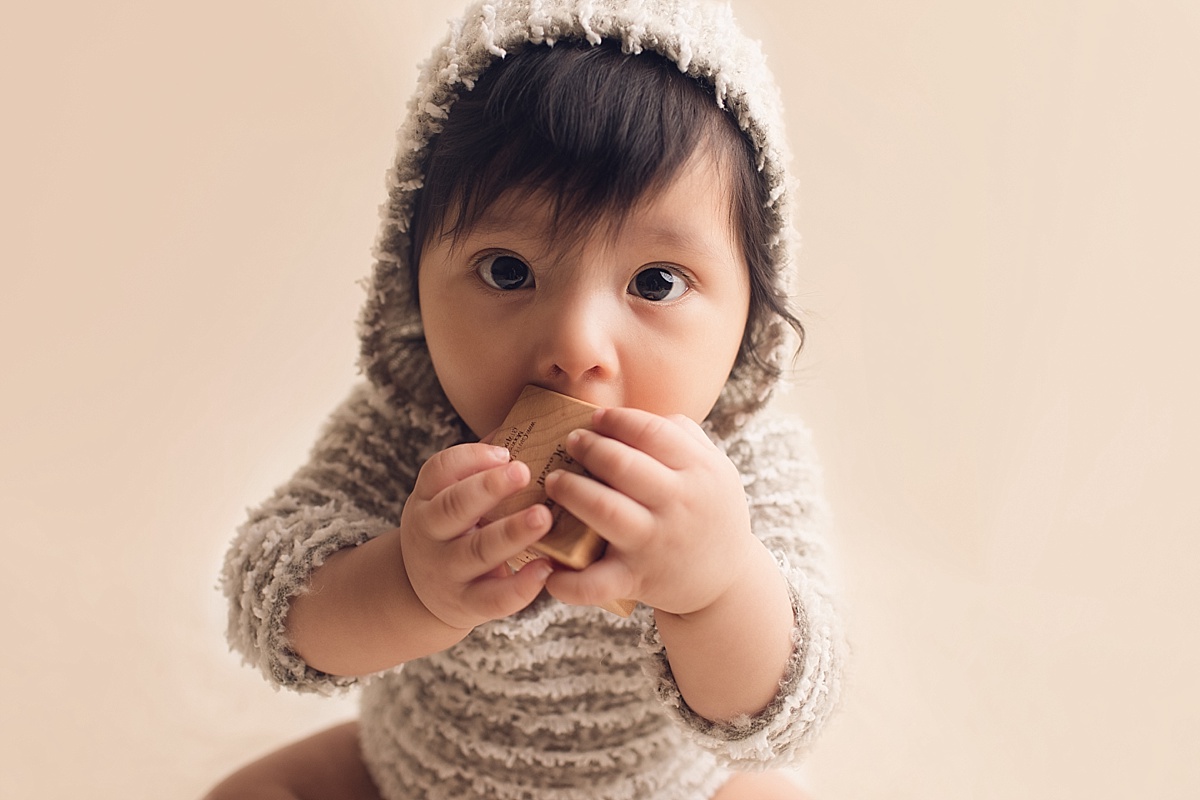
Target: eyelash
{"points": [[482, 261], [673, 276]]}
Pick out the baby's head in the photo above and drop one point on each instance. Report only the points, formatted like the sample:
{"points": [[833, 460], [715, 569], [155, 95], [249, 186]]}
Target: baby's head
{"points": [[591, 220]]}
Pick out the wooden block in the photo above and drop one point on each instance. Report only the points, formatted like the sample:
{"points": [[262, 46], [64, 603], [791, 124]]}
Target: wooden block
{"points": [[535, 431]]}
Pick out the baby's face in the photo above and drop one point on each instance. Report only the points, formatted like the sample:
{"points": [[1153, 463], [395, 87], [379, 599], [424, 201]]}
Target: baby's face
{"points": [[649, 315]]}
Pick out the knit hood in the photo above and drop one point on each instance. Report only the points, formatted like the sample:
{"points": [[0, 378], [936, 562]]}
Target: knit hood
{"points": [[702, 39]]}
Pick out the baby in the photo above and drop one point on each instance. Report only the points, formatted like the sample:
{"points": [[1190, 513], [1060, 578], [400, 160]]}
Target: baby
{"points": [[590, 198]]}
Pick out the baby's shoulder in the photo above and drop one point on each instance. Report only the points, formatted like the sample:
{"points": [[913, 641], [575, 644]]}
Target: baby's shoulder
{"points": [[383, 435], [767, 436]]}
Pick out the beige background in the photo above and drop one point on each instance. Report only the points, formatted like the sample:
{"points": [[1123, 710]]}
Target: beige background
{"points": [[1000, 270]]}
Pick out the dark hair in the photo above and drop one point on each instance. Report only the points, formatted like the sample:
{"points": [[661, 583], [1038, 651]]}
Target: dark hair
{"points": [[596, 129]]}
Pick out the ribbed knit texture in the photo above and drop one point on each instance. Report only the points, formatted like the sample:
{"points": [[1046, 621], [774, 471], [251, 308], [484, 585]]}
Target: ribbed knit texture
{"points": [[556, 696], [556, 701]]}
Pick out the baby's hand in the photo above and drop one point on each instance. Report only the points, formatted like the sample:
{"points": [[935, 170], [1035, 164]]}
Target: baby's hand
{"points": [[457, 566], [669, 503]]}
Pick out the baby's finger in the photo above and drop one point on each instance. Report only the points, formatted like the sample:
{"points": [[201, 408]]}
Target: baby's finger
{"points": [[693, 429], [624, 468], [460, 506], [496, 598], [449, 466], [658, 437], [615, 516], [504, 539], [604, 581]]}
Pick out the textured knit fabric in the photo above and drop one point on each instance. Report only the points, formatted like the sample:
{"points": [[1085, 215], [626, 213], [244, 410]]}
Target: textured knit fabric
{"points": [[556, 701]]}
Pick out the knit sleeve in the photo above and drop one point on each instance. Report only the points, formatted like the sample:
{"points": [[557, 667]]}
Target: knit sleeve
{"points": [[789, 514], [352, 488]]}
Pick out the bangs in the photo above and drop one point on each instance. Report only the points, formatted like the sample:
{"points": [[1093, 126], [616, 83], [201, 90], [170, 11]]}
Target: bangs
{"points": [[593, 130], [589, 127]]}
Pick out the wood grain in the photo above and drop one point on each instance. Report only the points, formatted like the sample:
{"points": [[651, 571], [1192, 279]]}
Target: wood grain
{"points": [[535, 432]]}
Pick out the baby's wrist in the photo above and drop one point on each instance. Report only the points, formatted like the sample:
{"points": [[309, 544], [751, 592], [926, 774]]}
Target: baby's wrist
{"points": [[739, 574]]}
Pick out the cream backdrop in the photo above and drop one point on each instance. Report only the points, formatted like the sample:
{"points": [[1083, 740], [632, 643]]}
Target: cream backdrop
{"points": [[1000, 224]]}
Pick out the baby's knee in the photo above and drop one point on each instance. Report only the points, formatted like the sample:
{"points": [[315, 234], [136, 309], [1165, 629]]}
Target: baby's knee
{"points": [[326, 764], [778, 785], [248, 784]]}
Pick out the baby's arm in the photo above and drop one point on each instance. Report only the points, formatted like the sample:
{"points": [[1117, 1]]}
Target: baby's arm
{"points": [[789, 514], [729, 658], [318, 577], [672, 507], [749, 644], [420, 588]]}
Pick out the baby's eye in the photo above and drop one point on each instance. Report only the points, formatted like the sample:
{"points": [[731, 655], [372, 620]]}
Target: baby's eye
{"points": [[658, 284], [504, 272]]}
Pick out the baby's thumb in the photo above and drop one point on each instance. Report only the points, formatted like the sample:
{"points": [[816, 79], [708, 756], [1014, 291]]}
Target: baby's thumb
{"points": [[508, 595]]}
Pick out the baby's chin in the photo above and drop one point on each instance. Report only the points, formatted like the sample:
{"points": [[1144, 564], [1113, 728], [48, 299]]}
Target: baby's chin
{"points": [[482, 419], [484, 427]]}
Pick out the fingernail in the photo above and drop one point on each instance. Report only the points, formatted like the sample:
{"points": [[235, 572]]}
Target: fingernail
{"points": [[501, 453], [573, 437], [514, 471], [533, 515]]}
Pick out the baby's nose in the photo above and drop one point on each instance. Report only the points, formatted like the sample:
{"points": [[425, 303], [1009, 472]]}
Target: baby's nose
{"points": [[579, 343]]}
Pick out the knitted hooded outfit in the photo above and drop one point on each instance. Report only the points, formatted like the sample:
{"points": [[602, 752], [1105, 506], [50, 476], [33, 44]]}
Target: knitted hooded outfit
{"points": [[555, 701]]}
